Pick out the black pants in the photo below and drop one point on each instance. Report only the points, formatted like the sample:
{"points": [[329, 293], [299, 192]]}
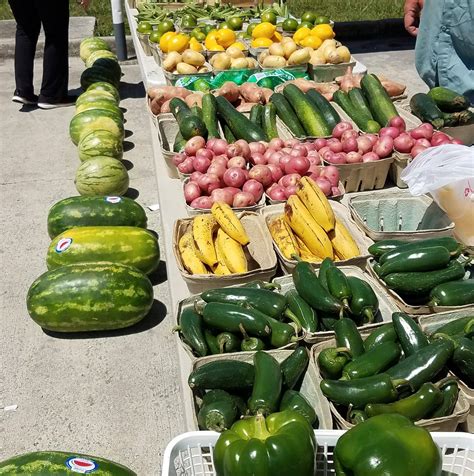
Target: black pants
{"points": [[54, 16]]}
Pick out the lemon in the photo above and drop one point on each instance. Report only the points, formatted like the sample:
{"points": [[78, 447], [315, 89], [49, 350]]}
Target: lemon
{"points": [[195, 45], [311, 41], [225, 37], [264, 30], [239, 45], [323, 31], [164, 40], [301, 33], [261, 42], [178, 43]]}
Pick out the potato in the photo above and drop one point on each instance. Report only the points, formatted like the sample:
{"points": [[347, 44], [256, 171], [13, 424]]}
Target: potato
{"points": [[203, 69], [185, 68], [221, 61], [289, 47], [285, 39], [317, 57], [299, 57], [262, 56], [327, 44], [171, 60], [235, 52], [239, 63], [272, 61], [276, 49], [193, 58], [344, 53], [251, 63]]}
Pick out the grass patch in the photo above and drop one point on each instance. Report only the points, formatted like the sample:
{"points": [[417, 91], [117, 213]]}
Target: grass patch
{"points": [[349, 10]]}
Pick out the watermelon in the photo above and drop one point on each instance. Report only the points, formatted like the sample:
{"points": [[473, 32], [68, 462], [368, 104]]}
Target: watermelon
{"points": [[59, 463], [103, 86], [90, 297], [100, 144], [108, 106], [96, 96], [89, 45], [94, 211], [98, 74], [93, 57], [95, 119], [128, 245], [102, 176]]}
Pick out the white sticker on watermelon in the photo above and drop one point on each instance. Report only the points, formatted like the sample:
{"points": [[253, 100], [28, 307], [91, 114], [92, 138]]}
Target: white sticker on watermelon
{"points": [[81, 465], [113, 199], [63, 245]]}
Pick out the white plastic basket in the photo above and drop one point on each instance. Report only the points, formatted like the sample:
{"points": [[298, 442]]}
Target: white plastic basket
{"points": [[190, 454]]}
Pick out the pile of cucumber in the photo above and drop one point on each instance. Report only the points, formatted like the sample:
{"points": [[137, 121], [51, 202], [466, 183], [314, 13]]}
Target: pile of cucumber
{"points": [[442, 107], [369, 106], [226, 390], [427, 271], [396, 369]]}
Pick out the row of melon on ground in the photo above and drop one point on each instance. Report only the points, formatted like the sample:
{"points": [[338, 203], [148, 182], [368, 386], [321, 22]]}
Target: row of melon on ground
{"points": [[79, 293]]}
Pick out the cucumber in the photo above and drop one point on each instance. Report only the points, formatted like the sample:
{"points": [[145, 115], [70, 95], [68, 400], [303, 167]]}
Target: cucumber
{"points": [[424, 281], [287, 115], [362, 121], [359, 101], [380, 247], [454, 293], [240, 125], [267, 384], [425, 108], [448, 100], [330, 115], [209, 115], [222, 374], [380, 104], [312, 120], [256, 114], [269, 121]]}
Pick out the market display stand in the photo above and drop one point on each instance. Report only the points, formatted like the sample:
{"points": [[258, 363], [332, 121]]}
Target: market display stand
{"points": [[172, 207]]}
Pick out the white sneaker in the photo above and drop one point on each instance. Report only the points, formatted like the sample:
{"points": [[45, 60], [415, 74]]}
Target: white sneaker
{"points": [[31, 101], [65, 102]]}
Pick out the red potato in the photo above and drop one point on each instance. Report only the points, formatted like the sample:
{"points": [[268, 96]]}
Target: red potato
{"points": [[257, 147], [297, 165], [276, 143], [404, 143], [219, 147], [207, 153], [178, 159], [324, 185], [327, 155], [237, 161], [353, 157], [425, 131], [372, 137], [201, 164], [335, 145], [258, 159], [276, 171], [247, 175], [288, 180], [222, 195], [323, 150], [350, 133], [364, 144], [291, 190], [384, 147], [233, 150], [340, 128], [423, 142], [229, 90], [283, 161], [234, 177], [331, 173], [291, 143], [217, 168], [179, 92], [350, 145], [299, 150], [233, 190], [210, 143], [313, 177], [269, 152], [209, 182], [191, 191], [398, 122], [320, 143], [314, 158], [220, 159], [276, 192], [457, 141], [440, 138], [244, 148], [417, 149], [202, 202], [194, 177], [370, 157], [194, 144], [243, 199], [253, 187], [262, 174], [392, 132], [338, 158], [314, 170], [186, 167]]}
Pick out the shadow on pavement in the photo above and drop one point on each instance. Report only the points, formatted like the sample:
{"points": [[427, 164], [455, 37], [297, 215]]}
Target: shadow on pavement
{"points": [[132, 90], [156, 315], [128, 145], [132, 193], [127, 164], [159, 275]]}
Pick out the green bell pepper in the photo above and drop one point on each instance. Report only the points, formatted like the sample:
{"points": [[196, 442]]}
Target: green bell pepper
{"points": [[282, 444], [389, 445]]}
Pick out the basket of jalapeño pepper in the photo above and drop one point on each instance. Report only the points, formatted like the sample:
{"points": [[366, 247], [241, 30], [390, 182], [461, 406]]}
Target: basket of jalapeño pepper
{"points": [[363, 375]]}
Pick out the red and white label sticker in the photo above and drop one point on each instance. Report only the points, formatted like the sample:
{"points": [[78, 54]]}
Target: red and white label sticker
{"points": [[63, 244], [113, 199], [81, 465]]}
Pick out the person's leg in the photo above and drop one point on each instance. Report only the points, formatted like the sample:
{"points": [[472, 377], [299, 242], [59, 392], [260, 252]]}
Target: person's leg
{"points": [[28, 26], [54, 16]]}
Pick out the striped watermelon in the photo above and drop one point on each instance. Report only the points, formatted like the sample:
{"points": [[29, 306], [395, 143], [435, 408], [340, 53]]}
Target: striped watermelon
{"points": [[128, 245], [89, 45], [94, 211], [59, 463], [95, 55], [96, 96], [90, 297], [102, 176], [102, 86], [104, 105], [95, 119], [100, 144], [95, 74]]}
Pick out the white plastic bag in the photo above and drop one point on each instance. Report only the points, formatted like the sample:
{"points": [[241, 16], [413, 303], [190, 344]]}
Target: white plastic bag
{"points": [[447, 172]]}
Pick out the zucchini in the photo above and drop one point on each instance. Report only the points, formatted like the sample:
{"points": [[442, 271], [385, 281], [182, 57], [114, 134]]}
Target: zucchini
{"points": [[240, 125], [209, 115], [458, 118], [454, 293], [190, 125], [196, 111], [256, 114], [426, 109], [363, 122], [312, 120], [359, 101], [269, 121], [330, 115], [287, 114], [448, 100], [423, 282], [179, 143], [179, 109], [380, 104], [222, 374], [228, 135]]}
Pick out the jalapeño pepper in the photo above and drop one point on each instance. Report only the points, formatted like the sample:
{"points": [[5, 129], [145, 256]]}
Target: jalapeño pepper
{"points": [[410, 335], [302, 310], [331, 361], [348, 336]]}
